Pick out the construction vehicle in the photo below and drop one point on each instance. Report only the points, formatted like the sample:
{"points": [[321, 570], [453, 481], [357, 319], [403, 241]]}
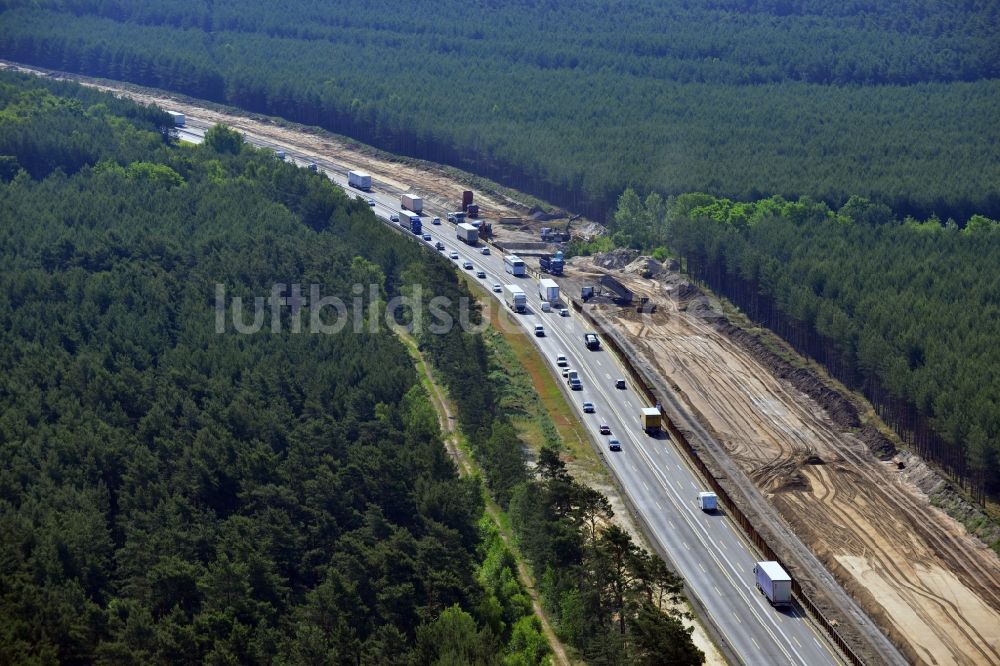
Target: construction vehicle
{"points": [[622, 294], [552, 263]]}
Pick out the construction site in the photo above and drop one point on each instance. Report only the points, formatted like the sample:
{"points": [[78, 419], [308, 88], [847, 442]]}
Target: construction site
{"points": [[931, 587]]}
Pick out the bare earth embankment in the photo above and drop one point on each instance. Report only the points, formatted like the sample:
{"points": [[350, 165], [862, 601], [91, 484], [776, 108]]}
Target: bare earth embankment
{"points": [[931, 587]]}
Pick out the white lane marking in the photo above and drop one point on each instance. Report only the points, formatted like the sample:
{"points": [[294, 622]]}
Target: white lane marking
{"points": [[754, 642], [702, 567], [741, 622], [717, 591], [693, 485], [658, 505], [645, 486], [796, 640], [671, 523], [686, 545]]}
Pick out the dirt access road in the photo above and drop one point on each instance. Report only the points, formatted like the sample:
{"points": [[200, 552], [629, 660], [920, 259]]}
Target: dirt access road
{"points": [[934, 590]]}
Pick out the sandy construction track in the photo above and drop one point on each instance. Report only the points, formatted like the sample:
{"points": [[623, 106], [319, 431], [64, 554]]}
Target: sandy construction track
{"points": [[934, 590], [340, 153]]}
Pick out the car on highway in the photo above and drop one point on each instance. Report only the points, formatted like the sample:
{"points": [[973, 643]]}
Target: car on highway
{"points": [[561, 361], [394, 218], [564, 312], [436, 220], [605, 429], [497, 288], [371, 202], [427, 237], [485, 251], [614, 445], [467, 265], [565, 372], [312, 166], [588, 408], [439, 246], [619, 383], [481, 275], [453, 255], [575, 384], [539, 331], [546, 306]]}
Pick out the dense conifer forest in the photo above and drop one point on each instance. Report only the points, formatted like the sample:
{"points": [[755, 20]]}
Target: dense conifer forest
{"points": [[170, 493], [573, 101], [906, 311]]}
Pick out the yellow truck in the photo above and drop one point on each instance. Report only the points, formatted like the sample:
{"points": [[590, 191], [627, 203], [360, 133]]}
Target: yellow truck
{"points": [[652, 421]]}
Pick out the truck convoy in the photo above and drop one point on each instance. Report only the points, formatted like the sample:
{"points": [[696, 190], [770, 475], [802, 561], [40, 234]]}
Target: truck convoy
{"points": [[467, 233], [515, 298], [412, 222], [359, 180], [548, 290], [552, 263], [514, 265], [410, 202], [774, 582], [651, 420]]}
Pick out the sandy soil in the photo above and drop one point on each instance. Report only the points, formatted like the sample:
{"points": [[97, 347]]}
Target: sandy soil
{"points": [[933, 589]]}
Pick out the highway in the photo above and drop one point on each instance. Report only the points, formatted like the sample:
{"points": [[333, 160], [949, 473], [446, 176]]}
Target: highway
{"points": [[708, 550]]}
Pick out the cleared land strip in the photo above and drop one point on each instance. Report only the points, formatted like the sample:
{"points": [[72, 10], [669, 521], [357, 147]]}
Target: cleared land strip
{"points": [[934, 590]]}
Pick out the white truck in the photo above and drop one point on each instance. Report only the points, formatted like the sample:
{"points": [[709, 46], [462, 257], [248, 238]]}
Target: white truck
{"points": [[515, 298], [548, 290], [359, 180], [467, 233], [410, 202], [514, 265], [774, 582], [177, 117], [708, 501]]}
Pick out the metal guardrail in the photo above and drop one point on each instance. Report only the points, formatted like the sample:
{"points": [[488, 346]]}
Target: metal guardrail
{"points": [[734, 511]]}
